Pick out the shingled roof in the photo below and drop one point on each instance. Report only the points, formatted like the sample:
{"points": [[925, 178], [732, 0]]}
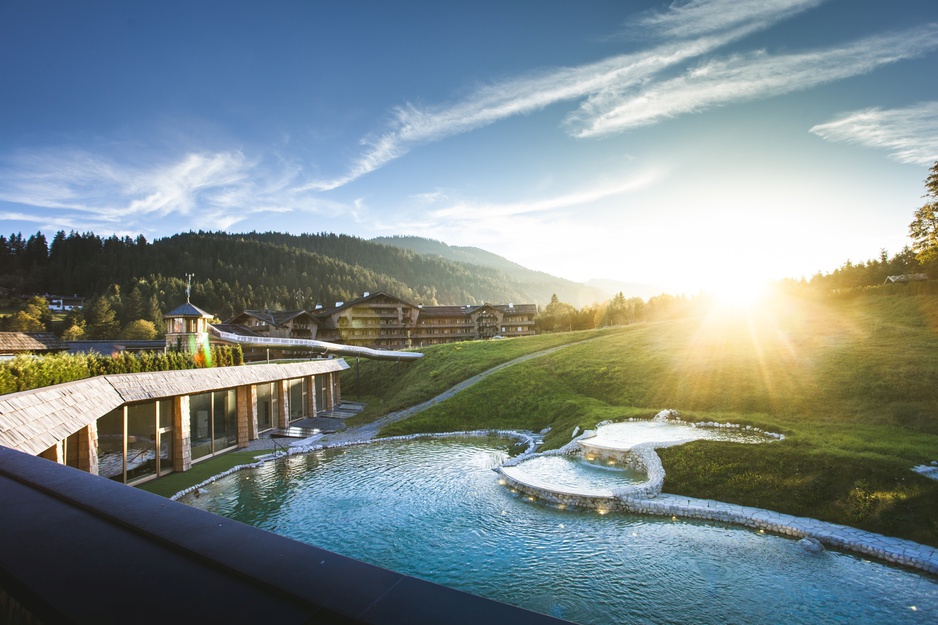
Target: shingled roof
{"points": [[35, 342], [32, 421]]}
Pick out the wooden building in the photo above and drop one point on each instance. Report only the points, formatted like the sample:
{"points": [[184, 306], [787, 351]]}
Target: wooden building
{"points": [[449, 324], [382, 321], [138, 426]]}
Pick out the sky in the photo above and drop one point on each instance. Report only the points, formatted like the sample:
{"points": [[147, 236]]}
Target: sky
{"points": [[691, 145]]}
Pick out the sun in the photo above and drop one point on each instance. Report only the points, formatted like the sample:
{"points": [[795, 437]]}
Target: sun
{"points": [[740, 295]]}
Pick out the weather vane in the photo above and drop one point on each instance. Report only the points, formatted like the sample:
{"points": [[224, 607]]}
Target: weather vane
{"points": [[189, 277]]}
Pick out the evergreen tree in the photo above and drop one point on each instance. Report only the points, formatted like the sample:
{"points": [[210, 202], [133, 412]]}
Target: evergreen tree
{"points": [[101, 320], [155, 315]]}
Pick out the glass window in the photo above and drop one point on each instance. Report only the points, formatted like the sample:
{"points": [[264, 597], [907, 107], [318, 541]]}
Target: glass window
{"points": [[220, 423], [111, 445], [231, 417], [200, 426], [317, 384], [166, 452], [167, 413], [298, 394], [266, 396], [141, 440]]}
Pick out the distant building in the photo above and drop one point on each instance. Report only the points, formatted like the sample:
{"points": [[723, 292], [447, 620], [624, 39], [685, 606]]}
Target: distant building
{"points": [[382, 321], [285, 324], [906, 278], [376, 320], [15, 343], [64, 303], [449, 324]]}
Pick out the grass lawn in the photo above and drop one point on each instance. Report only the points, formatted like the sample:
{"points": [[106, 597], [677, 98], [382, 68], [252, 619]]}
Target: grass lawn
{"points": [[171, 484], [851, 382]]}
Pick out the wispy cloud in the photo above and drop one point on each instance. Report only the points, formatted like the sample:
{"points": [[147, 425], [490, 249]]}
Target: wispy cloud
{"points": [[211, 190], [909, 134], [701, 27], [698, 17], [475, 210], [747, 77]]}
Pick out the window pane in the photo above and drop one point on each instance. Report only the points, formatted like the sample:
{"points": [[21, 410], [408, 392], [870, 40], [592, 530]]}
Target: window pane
{"points": [[200, 432], [218, 419], [111, 445], [296, 400], [264, 407], [166, 452], [141, 440], [232, 417], [166, 413], [320, 404]]}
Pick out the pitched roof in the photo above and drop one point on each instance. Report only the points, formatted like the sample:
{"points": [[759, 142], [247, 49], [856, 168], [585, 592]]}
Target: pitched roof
{"points": [[319, 312], [189, 310], [274, 317], [18, 342]]}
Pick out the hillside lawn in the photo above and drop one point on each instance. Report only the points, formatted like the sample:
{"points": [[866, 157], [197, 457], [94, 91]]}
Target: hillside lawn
{"points": [[850, 380]]}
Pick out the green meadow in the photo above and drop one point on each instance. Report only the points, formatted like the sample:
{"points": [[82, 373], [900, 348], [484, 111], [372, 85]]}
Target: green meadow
{"points": [[850, 380]]}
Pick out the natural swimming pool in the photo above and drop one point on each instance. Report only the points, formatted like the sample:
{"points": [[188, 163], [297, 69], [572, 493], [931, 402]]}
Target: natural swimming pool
{"points": [[433, 508]]}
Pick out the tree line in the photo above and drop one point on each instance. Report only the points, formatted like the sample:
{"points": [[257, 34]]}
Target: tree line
{"points": [[130, 282]]}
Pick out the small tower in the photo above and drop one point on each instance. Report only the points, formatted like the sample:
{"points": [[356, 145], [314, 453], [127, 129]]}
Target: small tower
{"points": [[187, 328], [187, 325]]}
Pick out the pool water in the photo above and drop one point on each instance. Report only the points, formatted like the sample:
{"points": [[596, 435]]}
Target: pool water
{"points": [[434, 509], [627, 434]]}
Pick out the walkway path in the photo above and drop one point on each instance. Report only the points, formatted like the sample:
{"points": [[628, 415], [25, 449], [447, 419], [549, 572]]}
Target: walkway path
{"points": [[368, 431]]}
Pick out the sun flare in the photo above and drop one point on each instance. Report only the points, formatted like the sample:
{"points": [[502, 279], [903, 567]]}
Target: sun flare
{"points": [[739, 295]]}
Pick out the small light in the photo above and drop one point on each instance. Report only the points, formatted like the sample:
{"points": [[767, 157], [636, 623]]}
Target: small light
{"points": [[674, 518], [762, 531], [913, 608]]}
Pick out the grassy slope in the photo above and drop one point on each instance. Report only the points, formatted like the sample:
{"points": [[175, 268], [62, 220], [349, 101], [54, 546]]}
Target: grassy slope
{"points": [[853, 383], [388, 387]]}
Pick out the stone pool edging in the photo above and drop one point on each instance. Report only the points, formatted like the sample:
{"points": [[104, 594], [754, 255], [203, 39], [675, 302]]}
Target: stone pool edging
{"points": [[646, 498], [634, 500]]}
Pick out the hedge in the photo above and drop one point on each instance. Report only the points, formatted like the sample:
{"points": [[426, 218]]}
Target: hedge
{"points": [[27, 371]]}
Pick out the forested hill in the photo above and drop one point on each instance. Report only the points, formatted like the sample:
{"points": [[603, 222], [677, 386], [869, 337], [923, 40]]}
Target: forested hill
{"points": [[255, 270], [539, 284]]}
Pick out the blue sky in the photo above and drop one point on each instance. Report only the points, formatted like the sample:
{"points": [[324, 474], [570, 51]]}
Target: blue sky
{"points": [[685, 144]]}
